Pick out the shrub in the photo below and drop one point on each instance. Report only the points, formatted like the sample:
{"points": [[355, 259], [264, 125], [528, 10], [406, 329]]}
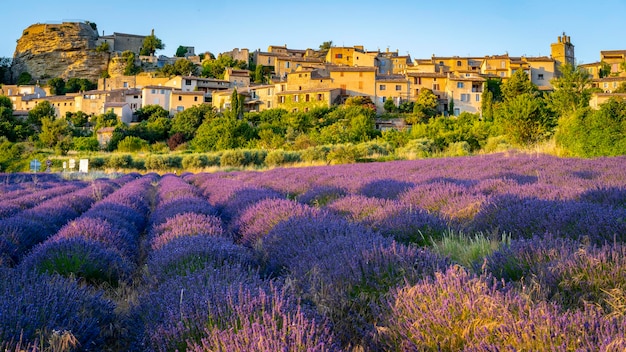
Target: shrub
{"points": [[132, 144], [119, 161], [86, 144], [233, 158], [186, 224], [255, 157], [195, 161], [34, 306]]}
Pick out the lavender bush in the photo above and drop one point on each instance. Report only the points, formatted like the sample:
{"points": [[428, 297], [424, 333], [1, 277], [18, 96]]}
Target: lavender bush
{"points": [[34, 306]]}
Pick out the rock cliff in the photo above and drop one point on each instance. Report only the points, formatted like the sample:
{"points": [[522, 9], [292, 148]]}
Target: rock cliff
{"points": [[63, 50]]}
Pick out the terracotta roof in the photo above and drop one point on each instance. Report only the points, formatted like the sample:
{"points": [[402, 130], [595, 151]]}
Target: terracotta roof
{"points": [[182, 92], [539, 59], [351, 69], [426, 74], [114, 105], [312, 90], [392, 78], [613, 52], [610, 79]]}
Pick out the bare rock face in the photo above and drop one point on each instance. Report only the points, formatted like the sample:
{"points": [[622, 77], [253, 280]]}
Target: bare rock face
{"points": [[65, 50]]}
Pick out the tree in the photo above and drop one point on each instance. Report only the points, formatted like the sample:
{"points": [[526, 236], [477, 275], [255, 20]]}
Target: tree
{"points": [[389, 105], [187, 121], [181, 51], [108, 119], [151, 44], [215, 68], [236, 104], [325, 46], [185, 67], [605, 69], [621, 88], [426, 103], [572, 90], [130, 69], [5, 69], [524, 119], [451, 107], [7, 120], [57, 86], [222, 133], [54, 131], [74, 85], [24, 78], [41, 110], [518, 84], [151, 112]]}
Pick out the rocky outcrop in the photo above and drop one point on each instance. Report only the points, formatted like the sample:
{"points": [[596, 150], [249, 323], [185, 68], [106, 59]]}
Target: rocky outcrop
{"points": [[65, 50]]}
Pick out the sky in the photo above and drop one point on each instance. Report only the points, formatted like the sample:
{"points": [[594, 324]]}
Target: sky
{"points": [[418, 28]]}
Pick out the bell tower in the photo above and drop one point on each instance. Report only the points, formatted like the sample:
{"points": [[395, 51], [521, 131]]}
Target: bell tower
{"points": [[562, 51]]}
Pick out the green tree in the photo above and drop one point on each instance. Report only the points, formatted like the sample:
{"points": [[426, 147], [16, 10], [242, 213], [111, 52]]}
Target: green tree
{"points": [[57, 86], [5, 69], [10, 155], [181, 67], [389, 105], [24, 78], [605, 69], [425, 107], [222, 133], [518, 84], [181, 51], [621, 88], [524, 119], [236, 104], [41, 110], [572, 90], [74, 85], [451, 107], [108, 119], [593, 133], [187, 121], [151, 44], [259, 75], [215, 68], [130, 69], [151, 112], [53, 132], [7, 121]]}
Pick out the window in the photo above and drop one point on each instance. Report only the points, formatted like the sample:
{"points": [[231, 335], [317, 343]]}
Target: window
{"points": [[398, 87], [153, 91], [180, 97], [435, 86], [360, 84], [282, 99], [320, 97], [458, 63], [502, 64], [269, 104], [540, 77], [180, 108], [187, 82], [306, 98], [459, 84], [125, 84], [341, 74], [382, 87], [338, 56], [195, 98], [295, 98], [477, 97], [384, 99], [464, 97], [360, 74], [162, 91], [501, 74], [287, 64], [457, 111], [606, 85]]}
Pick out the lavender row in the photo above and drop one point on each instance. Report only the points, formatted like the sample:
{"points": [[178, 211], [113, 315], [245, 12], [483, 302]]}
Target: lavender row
{"points": [[102, 245], [32, 226], [13, 206]]}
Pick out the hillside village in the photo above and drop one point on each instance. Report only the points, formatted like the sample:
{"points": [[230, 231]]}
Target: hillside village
{"points": [[301, 79]]}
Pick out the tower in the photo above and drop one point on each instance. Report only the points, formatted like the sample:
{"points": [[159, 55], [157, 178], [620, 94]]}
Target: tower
{"points": [[562, 52]]}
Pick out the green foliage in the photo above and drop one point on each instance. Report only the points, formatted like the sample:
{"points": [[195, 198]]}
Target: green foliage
{"points": [[222, 133], [163, 162], [132, 144], [592, 133], [236, 104], [282, 157], [572, 90], [24, 78], [74, 85], [57, 86], [119, 161], [215, 68], [108, 119], [150, 45], [518, 84], [103, 48], [85, 144], [359, 100], [130, 69], [445, 130], [525, 120], [10, 155], [189, 120], [426, 103], [10, 127], [195, 161], [621, 88], [181, 51], [182, 67], [151, 112], [467, 250], [417, 149], [343, 154], [41, 110], [54, 132], [5, 68], [233, 158], [389, 105]]}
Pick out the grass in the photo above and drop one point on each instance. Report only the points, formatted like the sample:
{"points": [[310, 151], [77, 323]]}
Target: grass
{"points": [[467, 250]]}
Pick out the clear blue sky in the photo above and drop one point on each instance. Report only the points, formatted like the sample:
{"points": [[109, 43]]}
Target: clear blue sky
{"points": [[420, 28]]}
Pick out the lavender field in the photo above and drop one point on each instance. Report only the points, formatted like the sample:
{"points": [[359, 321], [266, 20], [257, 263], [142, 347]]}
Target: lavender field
{"points": [[502, 252]]}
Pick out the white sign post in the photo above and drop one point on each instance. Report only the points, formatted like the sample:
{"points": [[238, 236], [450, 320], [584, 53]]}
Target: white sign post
{"points": [[83, 165]]}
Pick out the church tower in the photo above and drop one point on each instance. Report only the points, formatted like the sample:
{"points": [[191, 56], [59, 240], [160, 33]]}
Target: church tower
{"points": [[562, 52]]}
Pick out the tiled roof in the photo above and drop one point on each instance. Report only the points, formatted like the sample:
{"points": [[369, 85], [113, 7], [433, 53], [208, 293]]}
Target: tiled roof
{"points": [[426, 74], [312, 90]]}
